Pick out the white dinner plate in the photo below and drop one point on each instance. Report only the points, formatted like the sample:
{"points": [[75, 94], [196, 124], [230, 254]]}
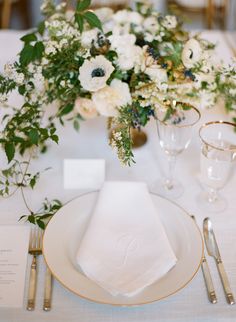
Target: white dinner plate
{"points": [[65, 230]]}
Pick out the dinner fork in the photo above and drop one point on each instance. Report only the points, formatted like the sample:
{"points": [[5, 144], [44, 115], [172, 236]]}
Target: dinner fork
{"points": [[35, 249]]}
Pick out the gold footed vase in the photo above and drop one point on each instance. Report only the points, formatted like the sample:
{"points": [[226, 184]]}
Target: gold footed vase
{"points": [[139, 138]]}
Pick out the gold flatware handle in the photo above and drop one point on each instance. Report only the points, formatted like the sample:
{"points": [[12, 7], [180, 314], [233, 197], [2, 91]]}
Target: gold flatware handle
{"points": [[32, 285], [225, 282], [47, 291], [208, 281]]}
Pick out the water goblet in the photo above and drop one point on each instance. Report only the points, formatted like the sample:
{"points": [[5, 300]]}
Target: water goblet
{"points": [[174, 133], [218, 150]]}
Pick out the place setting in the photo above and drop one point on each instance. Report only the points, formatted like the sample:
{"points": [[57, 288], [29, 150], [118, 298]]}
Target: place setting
{"points": [[98, 99]]}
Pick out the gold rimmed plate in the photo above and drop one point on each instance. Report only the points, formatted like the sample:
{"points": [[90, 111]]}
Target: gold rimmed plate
{"points": [[65, 231]]}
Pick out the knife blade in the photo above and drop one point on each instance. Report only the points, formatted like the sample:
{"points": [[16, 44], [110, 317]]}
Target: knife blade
{"points": [[207, 276], [213, 250]]}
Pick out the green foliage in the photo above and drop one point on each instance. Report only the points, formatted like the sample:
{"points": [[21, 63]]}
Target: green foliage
{"points": [[31, 52], [43, 215], [83, 5]]}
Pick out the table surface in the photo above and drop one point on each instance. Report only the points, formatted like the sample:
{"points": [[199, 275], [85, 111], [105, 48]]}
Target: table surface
{"points": [[191, 303]]}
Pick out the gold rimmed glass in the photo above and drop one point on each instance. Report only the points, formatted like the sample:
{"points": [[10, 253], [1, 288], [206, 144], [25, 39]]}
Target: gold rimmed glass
{"points": [[174, 133], [218, 151]]}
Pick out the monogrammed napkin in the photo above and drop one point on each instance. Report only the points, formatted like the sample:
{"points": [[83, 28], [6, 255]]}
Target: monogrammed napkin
{"points": [[125, 247]]}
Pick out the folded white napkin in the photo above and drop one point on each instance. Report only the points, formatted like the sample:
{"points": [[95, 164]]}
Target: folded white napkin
{"points": [[125, 247]]}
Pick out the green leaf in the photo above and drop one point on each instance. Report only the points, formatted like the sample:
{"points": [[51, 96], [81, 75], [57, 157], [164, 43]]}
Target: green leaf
{"points": [[67, 109], [80, 21], [38, 50], [32, 182], [93, 20], [55, 138], [28, 38], [82, 5], [41, 27], [21, 89], [27, 54], [31, 219], [41, 224], [76, 125], [33, 136], [10, 151]]}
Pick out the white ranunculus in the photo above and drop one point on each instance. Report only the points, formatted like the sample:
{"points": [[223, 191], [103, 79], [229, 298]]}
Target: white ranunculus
{"points": [[123, 90], [191, 53], [127, 52], [109, 99], [129, 57], [104, 14], [135, 18], [86, 108], [169, 22], [151, 24], [121, 16], [88, 36], [94, 73], [157, 74]]}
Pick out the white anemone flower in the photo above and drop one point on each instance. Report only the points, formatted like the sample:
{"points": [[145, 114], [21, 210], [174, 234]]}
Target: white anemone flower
{"points": [[169, 22], [191, 53], [86, 108], [94, 73], [109, 99]]}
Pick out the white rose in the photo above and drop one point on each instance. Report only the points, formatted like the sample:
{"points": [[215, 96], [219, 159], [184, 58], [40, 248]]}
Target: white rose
{"points": [[151, 24], [94, 73], [191, 53], [169, 22], [86, 108], [118, 42], [109, 99]]}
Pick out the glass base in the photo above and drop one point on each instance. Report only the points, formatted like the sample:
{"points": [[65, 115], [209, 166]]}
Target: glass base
{"points": [[217, 205], [171, 191]]}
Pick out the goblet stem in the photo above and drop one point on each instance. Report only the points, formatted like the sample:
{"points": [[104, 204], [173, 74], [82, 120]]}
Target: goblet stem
{"points": [[170, 175], [212, 195]]}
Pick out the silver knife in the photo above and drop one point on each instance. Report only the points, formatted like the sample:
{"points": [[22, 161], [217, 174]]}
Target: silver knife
{"points": [[207, 277], [213, 251]]}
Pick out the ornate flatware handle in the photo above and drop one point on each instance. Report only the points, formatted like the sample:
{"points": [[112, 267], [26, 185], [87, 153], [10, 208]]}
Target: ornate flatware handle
{"points": [[47, 291], [225, 282], [32, 285], [209, 283]]}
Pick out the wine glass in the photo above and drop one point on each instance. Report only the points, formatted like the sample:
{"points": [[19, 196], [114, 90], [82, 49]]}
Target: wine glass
{"points": [[218, 150], [175, 132]]}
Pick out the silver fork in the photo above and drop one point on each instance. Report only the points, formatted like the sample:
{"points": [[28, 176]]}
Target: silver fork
{"points": [[35, 249]]}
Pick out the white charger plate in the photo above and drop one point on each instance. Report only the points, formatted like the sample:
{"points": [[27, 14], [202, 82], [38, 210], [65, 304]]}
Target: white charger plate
{"points": [[65, 231]]}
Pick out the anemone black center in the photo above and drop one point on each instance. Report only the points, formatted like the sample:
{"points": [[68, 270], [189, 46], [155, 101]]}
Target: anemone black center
{"points": [[98, 72]]}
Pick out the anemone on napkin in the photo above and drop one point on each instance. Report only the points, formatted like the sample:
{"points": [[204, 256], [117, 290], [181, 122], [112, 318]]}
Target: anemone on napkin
{"points": [[125, 247]]}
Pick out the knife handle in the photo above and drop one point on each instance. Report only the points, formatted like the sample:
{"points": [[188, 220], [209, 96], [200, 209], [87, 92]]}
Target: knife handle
{"points": [[208, 281], [47, 291], [225, 282]]}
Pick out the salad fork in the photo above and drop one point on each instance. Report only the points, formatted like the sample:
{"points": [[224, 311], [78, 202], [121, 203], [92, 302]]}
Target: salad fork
{"points": [[35, 249]]}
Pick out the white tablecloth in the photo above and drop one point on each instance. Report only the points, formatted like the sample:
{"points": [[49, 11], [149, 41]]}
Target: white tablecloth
{"points": [[191, 303]]}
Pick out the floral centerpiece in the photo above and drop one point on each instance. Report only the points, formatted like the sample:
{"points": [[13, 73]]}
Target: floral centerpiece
{"points": [[121, 65]]}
